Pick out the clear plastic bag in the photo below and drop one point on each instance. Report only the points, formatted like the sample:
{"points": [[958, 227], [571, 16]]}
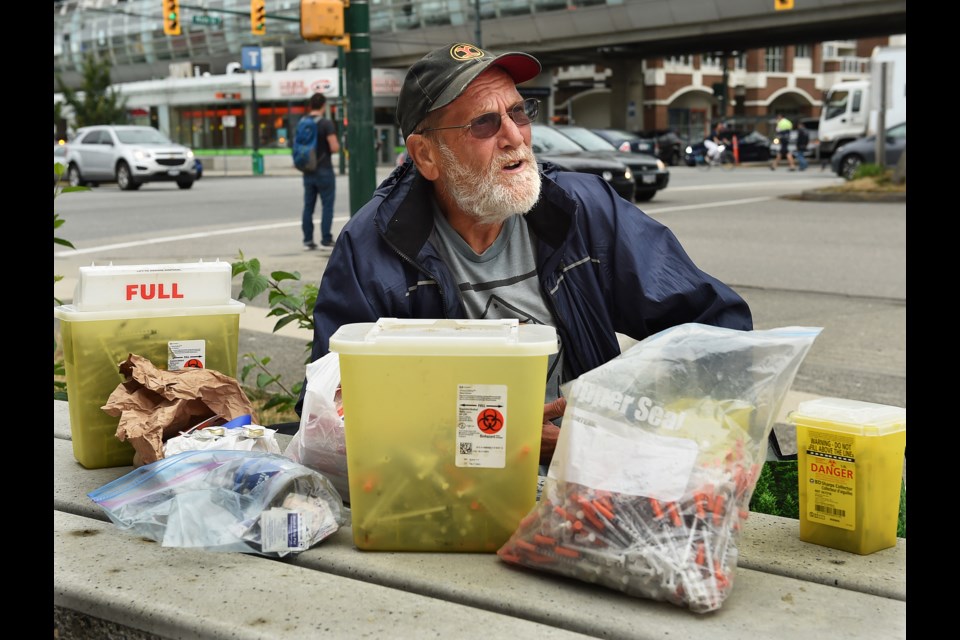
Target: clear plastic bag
{"points": [[239, 434], [657, 459], [320, 443], [225, 500]]}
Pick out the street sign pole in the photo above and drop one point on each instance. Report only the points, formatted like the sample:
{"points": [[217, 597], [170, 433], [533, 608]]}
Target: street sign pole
{"points": [[253, 103], [252, 62], [363, 175]]}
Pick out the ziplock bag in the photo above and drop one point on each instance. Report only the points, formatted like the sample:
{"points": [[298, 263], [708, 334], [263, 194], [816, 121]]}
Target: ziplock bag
{"points": [[658, 455], [223, 500], [320, 443]]}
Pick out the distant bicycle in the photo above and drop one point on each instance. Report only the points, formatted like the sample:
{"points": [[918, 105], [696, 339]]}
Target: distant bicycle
{"points": [[724, 159]]}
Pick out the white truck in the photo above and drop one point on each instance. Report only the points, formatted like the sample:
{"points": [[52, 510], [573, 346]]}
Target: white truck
{"points": [[851, 108]]}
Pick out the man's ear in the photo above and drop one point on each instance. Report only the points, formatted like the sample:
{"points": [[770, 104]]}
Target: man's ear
{"points": [[425, 155]]}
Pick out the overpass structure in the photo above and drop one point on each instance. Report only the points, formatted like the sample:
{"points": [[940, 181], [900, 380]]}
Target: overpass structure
{"points": [[655, 64], [559, 32]]}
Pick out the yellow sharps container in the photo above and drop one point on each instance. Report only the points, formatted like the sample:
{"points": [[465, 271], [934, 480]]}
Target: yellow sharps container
{"points": [[850, 465], [175, 315], [442, 421]]}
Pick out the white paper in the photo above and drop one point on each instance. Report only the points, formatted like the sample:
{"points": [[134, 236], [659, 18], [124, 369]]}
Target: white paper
{"points": [[626, 459]]}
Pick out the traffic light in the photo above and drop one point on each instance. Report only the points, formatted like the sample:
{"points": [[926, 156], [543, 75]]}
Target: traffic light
{"points": [[321, 19], [171, 17], [258, 17]]}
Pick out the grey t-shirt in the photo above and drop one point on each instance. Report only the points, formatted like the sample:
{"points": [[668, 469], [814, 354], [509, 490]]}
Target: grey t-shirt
{"points": [[501, 282]]}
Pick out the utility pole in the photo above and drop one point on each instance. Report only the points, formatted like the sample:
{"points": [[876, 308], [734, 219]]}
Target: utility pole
{"points": [[363, 167], [479, 35], [726, 89]]}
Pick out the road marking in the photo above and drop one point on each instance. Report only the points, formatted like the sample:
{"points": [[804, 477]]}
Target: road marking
{"points": [[188, 236], [774, 183], [707, 205]]}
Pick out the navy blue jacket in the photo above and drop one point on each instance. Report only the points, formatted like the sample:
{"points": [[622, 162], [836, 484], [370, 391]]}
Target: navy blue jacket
{"points": [[604, 266]]}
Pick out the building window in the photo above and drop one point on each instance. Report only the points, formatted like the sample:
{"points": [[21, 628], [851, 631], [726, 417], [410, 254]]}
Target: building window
{"points": [[711, 60], [679, 61], [802, 51], [773, 59]]}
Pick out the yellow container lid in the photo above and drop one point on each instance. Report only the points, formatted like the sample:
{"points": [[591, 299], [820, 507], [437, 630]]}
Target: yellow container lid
{"points": [[850, 416], [432, 337]]}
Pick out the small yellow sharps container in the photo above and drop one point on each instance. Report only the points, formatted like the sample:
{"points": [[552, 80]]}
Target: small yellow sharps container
{"points": [[850, 465]]}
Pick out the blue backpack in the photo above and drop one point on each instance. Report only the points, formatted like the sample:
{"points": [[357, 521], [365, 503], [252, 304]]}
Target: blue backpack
{"points": [[305, 145]]}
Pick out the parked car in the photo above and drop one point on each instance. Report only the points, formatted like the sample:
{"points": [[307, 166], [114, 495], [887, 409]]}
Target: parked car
{"points": [[549, 145], [669, 145], [626, 141], [752, 146], [847, 159], [59, 157], [649, 173], [128, 155]]}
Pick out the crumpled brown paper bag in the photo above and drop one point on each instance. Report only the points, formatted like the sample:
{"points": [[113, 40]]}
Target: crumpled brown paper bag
{"points": [[154, 405]]}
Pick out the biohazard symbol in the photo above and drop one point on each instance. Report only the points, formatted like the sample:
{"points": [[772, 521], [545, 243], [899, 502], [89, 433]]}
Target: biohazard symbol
{"points": [[193, 363], [490, 421]]}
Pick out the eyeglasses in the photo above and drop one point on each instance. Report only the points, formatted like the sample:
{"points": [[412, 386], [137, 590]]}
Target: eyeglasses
{"points": [[487, 124]]}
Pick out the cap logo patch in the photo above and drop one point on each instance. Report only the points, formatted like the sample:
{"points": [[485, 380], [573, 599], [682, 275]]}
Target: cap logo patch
{"points": [[464, 52]]}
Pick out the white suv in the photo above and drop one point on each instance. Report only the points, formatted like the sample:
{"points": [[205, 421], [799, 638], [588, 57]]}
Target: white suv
{"points": [[128, 155]]}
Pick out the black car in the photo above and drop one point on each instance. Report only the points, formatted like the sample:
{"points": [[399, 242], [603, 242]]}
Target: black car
{"points": [[629, 142], [751, 146], [650, 173], [669, 145], [549, 145]]}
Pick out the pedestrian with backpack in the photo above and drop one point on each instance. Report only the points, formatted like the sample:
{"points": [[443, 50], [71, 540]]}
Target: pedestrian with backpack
{"points": [[314, 143]]}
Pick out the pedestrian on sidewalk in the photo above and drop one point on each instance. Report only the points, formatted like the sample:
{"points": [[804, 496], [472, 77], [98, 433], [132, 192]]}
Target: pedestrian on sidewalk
{"points": [[803, 139], [784, 126], [321, 181], [472, 227]]}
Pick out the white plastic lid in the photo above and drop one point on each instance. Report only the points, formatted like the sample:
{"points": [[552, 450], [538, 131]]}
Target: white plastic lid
{"points": [[430, 337], [152, 286], [853, 416]]}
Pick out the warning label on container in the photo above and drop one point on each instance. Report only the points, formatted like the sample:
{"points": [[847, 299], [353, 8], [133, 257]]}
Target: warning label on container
{"points": [[186, 354], [830, 469], [482, 425]]}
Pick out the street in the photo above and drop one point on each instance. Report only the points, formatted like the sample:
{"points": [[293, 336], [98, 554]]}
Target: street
{"points": [[836, 265]]}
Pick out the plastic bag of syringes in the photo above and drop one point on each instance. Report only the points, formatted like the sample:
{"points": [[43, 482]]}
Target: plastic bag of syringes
{"points": [[657, 459]]}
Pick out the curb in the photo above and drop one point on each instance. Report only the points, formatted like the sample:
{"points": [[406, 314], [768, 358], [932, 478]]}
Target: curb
{"points": [[852, 196]]}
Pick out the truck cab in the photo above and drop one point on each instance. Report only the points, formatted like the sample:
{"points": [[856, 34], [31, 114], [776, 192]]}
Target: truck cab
{"points": [[851, 107], [845, 114]]}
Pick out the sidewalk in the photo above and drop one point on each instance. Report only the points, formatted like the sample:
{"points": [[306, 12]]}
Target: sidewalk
{"points": [[273, 166]]}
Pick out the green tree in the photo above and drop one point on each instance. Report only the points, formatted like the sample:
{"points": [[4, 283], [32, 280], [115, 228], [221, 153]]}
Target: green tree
{"points": [[96, 102]]}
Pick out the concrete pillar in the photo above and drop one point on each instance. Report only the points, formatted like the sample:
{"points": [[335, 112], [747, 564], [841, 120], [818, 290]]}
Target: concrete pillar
{"points": [[626, 95]]}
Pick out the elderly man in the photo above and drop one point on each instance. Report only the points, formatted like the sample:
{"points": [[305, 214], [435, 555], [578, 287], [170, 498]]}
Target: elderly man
{"points": [[471, 227]]}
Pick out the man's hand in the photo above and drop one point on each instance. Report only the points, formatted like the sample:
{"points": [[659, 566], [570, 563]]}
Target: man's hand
{"points": [[550, 432]]}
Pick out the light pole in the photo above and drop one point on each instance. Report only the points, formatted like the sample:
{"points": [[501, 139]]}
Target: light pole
{"points": [[479, 36]]}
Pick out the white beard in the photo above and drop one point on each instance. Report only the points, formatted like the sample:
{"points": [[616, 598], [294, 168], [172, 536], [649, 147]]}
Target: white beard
{"points": [[494, 197]]}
